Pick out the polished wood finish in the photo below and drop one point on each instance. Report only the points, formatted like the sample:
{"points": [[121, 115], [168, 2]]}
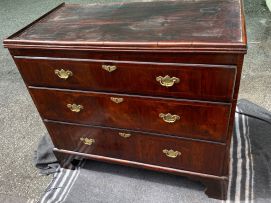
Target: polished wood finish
{"points": [[197, 119], [202, 43], [203, 157], [132, 77], [66, 155], [130, 55], [199, 26]]}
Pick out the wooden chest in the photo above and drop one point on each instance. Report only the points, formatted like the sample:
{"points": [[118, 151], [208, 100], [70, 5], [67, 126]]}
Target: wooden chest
{"points": [[148, 84]]}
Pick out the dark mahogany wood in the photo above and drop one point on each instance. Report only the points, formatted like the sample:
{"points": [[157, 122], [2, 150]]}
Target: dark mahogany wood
{"points": [[167, 25], [203, 157], [232, 116], [156, 22], [131, 55], [132, 77], [201, 42], [197, 119], [215, 188]]}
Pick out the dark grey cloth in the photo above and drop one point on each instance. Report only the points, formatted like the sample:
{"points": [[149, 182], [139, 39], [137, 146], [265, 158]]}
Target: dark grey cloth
{"points": [[44, 158], [259, 126], [250, 174], [254, 111]]}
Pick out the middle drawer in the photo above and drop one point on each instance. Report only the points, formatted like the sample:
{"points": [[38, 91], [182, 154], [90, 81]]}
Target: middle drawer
{"points": [[203, 120]]}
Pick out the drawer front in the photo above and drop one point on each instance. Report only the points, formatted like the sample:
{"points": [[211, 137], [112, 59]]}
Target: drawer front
{"points": [[203, 157], [167, 116], [209, 82]]}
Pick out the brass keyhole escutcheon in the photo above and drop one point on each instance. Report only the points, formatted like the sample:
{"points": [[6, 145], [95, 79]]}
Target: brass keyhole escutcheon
{"points": [[125, 135], [117, 100], [109, 68]]}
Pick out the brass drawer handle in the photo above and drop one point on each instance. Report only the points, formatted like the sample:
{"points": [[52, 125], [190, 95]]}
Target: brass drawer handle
{"points": [[171, 153], [75, 108], [125, 135], [117, 100], [167, 81], [109, 68], [87, 141], [63, 74], [169, 118]]}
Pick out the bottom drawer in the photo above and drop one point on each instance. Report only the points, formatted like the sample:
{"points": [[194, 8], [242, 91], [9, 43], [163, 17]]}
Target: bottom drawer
{"points": [[167, 151]]}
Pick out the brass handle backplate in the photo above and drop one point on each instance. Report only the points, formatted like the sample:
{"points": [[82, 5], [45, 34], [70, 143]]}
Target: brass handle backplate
{"points": [[87, 141], [63, 74], [169, 118], [109, 68], [125, 135], [167, 81], [117, 100], [75, 108], [171, 153]]}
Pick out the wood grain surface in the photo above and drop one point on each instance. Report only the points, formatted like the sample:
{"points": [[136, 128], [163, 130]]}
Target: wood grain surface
{"points": [[200, 25], [133, 77], [195, 156], [197, 119]]}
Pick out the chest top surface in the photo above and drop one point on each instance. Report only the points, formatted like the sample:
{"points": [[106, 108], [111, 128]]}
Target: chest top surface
{"points": [[195, 24]]}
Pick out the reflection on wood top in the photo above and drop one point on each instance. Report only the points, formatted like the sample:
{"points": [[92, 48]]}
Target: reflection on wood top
{"points": [[194, 24]]}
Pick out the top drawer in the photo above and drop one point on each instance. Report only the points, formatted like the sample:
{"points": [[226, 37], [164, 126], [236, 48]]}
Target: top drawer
{"points": [[193, 81]]}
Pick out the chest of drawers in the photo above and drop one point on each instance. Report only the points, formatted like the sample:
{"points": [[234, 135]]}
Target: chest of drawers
{"points": [[146, 84]]}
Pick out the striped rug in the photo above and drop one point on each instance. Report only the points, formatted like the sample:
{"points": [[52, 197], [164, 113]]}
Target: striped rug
{"points": [[250, 172]]}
